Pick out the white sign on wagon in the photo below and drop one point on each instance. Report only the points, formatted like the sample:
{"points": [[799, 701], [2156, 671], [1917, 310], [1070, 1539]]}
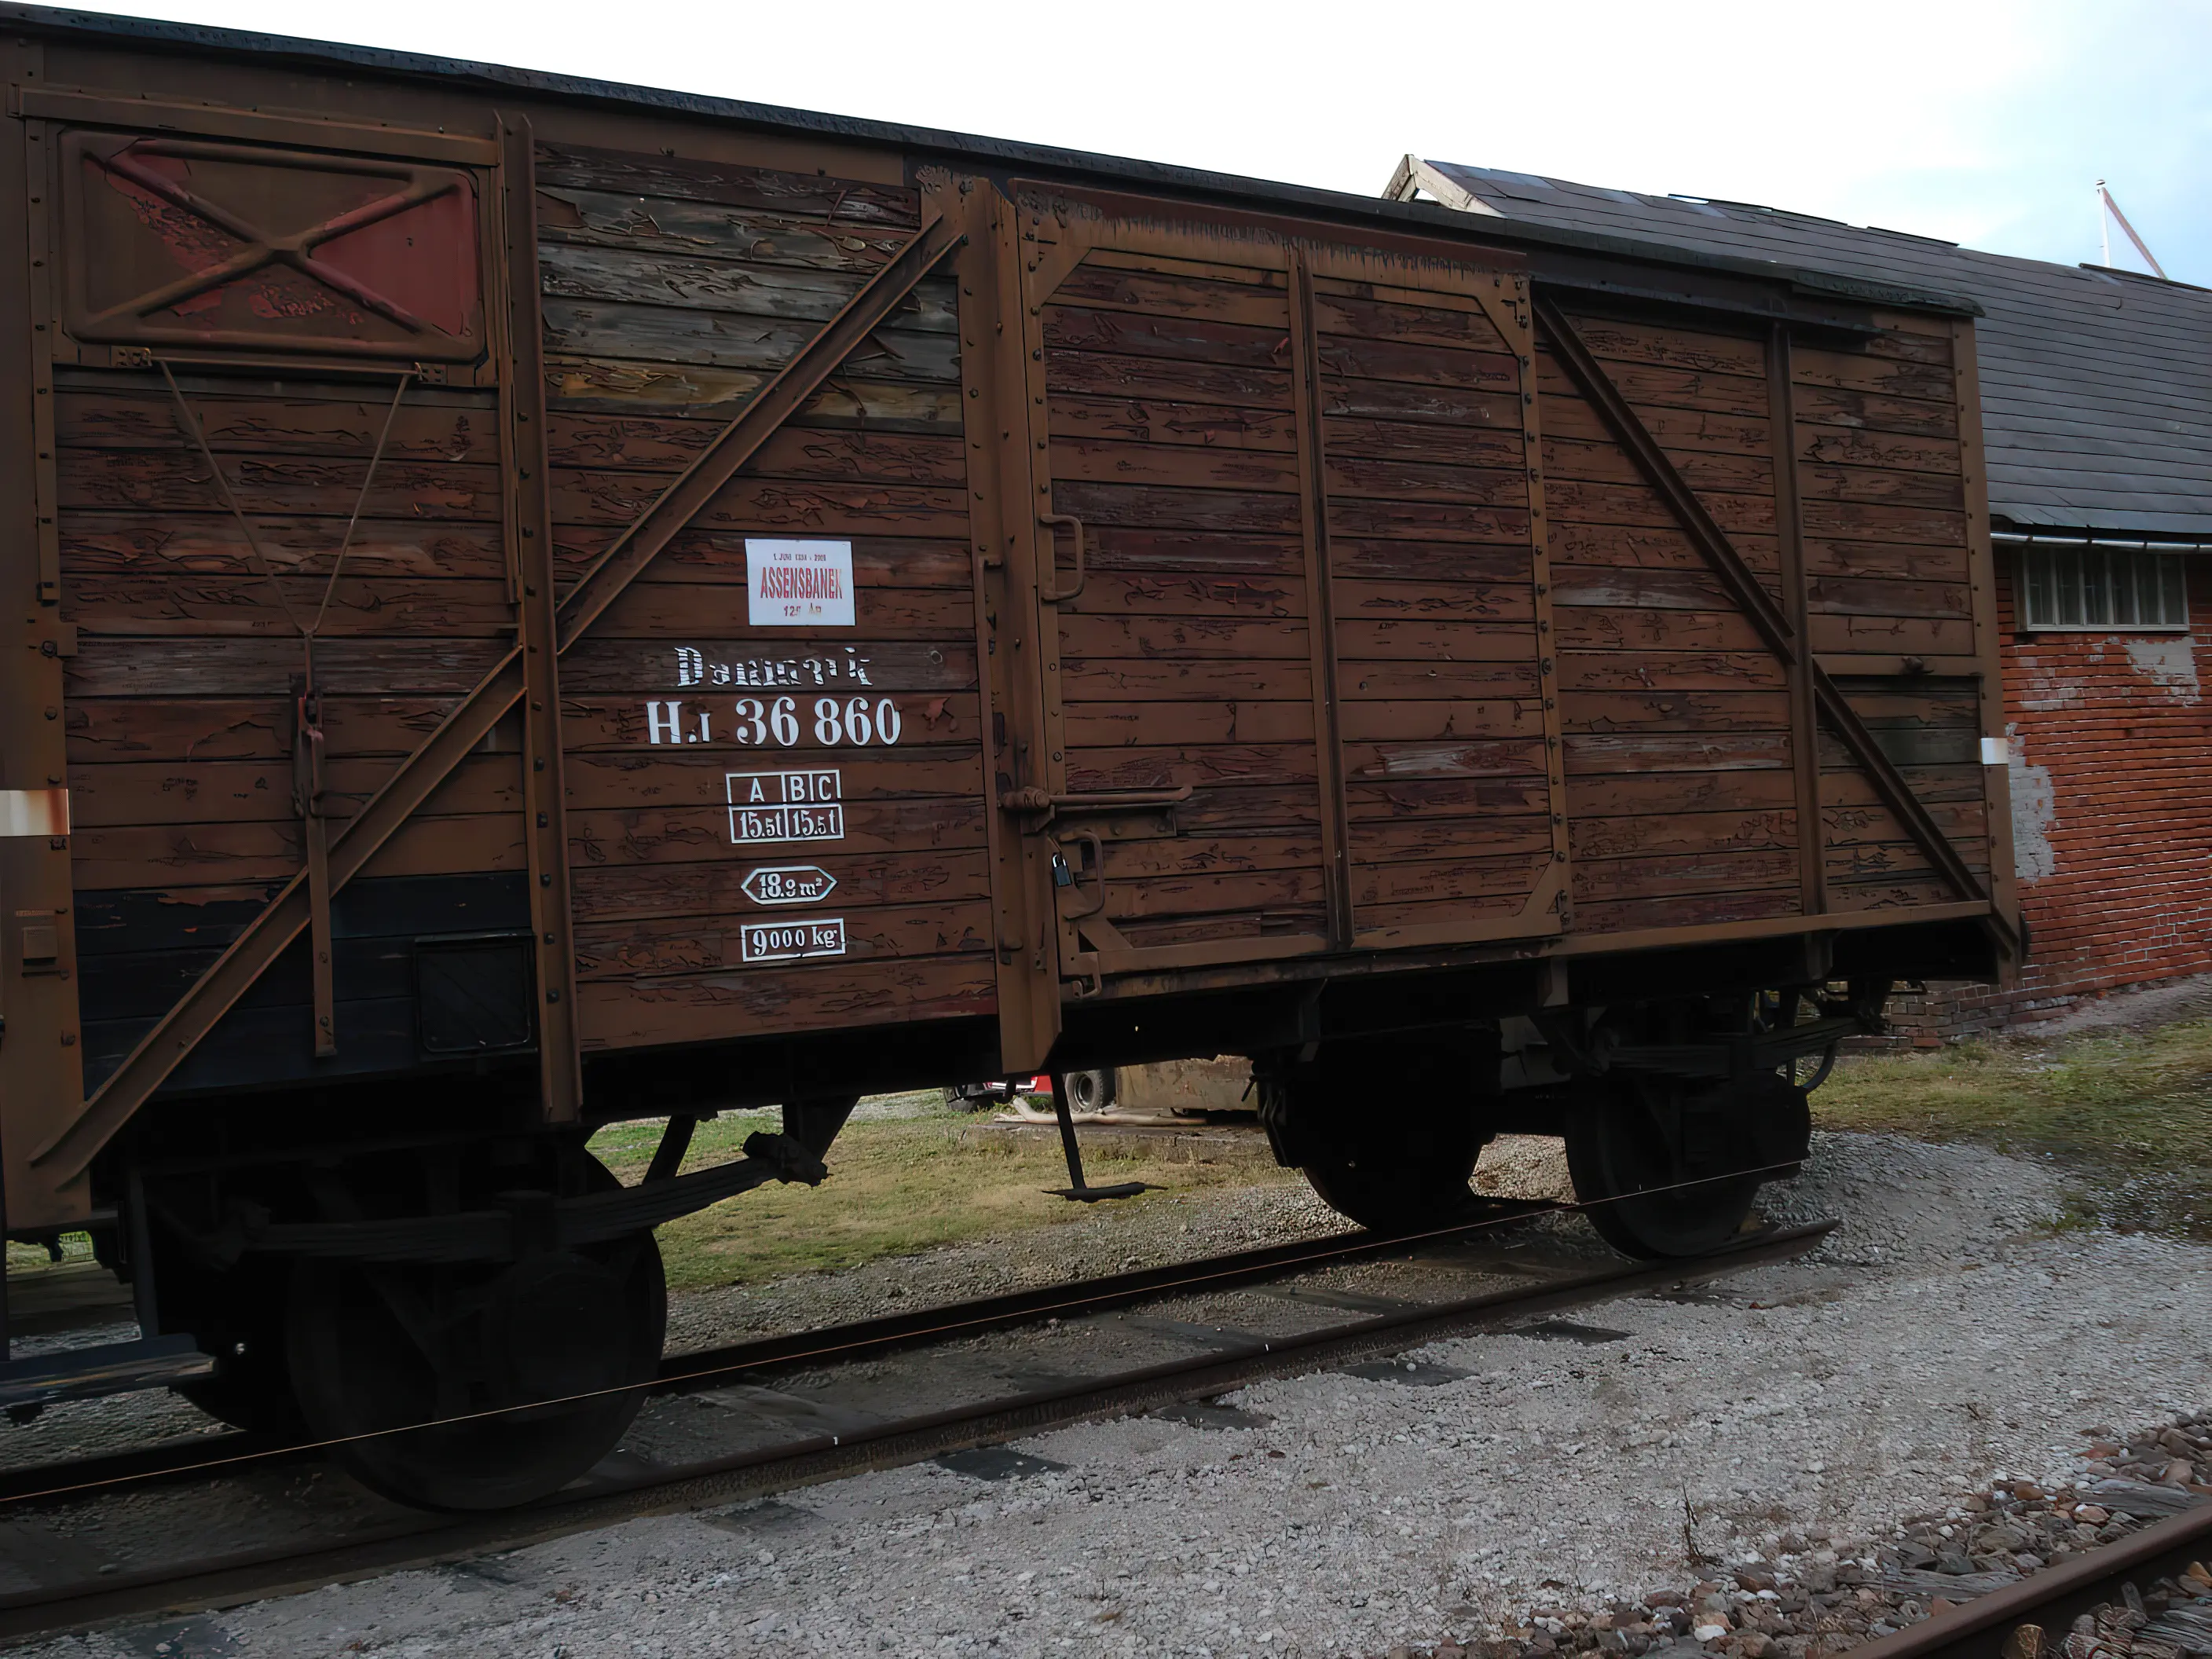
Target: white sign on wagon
{"points": [[788, 884], [790, 941], [770, 806], [798, 584]]}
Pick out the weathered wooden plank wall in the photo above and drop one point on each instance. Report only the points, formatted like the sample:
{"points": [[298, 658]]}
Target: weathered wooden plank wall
{"points": [[672, 290], [1185, 659], [1446, 774], [1680, 794], [1294, 586], [1888, 575], [1680, 744], [179, 698]]}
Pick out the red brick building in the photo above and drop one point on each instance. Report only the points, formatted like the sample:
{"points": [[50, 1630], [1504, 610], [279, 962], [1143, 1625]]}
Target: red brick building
{"points": [[2112, 800], [2097, 427]]}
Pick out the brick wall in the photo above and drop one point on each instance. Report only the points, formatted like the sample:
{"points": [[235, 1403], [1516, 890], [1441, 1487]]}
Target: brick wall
{"points": [[2112, 800]]}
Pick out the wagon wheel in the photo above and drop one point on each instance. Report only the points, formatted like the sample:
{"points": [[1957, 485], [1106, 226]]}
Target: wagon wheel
{"points": [[1667, 1171], [376, 1350], [1778, 1010], [239, 1316], [1395, 1174], [1391, 1191]]}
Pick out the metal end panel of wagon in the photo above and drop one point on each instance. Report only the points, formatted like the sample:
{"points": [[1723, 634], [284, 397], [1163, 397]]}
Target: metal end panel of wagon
{"points": [[546, 602]]}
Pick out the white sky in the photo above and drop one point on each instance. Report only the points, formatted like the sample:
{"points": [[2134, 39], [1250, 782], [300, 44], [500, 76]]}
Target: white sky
{"points": [[1985, 123]]}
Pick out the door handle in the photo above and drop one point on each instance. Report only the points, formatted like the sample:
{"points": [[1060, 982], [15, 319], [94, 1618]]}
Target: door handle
{"points": [[1033, 799], [1052, 558]]}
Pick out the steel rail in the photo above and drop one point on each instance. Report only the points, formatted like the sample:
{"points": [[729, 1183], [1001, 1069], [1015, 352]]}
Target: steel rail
{"points": [[702, 1367], [893, 1332], [427, 1540], [837, 1343], [2054, 1598]]}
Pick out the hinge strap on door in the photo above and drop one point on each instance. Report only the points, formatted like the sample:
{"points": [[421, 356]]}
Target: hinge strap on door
{"points": [[307, 759], [307, 802]]}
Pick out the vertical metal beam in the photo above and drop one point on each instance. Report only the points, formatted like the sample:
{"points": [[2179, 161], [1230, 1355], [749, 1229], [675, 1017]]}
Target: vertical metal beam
{"points": [[1790, 527], [41, 178], [1320, 609], [1520, 339], [530, 556], [1981, 565], [41, 1061], [145, 1299], [1034, 575], [314, 838], [1017, 641]]}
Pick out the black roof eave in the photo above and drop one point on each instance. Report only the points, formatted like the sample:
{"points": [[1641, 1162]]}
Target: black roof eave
{"points": [[989, 153], [2041, 518]]}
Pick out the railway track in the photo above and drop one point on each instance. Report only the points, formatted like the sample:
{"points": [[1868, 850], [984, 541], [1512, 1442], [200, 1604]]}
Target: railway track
{"points": [[855, 1340], [2109, 1586], [272, 1526]]}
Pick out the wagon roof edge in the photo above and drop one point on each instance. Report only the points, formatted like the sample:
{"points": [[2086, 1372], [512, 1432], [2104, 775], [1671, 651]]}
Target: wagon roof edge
{"points": [[1812, 283]]}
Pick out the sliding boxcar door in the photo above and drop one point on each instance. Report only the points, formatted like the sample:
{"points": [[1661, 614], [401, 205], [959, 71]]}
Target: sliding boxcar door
{"points": [[1185, 680], [1296, 676]]}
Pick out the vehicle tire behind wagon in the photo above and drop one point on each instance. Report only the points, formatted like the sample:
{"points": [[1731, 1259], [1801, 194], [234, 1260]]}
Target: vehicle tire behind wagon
{"points": [[1090, 1091]]}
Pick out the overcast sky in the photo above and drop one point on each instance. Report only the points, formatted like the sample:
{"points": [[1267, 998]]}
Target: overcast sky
{"points": [[1987, 124]]}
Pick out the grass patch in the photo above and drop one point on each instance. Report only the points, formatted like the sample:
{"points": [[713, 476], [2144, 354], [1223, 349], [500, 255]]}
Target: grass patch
{"points": [[898, 1186], [2128, 1115], [22, 1259]]}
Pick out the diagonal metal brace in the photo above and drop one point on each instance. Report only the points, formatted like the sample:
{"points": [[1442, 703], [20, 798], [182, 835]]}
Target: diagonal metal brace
{"points": [[69, 1151], [1628, 430], [195, 1014], [774, 404], [1751, 598]]}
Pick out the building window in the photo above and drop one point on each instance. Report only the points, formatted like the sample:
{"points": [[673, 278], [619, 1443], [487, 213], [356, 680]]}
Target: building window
{"points": [[2086, 586]]}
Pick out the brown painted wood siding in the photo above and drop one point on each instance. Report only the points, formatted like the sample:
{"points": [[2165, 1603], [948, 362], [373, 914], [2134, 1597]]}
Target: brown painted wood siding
{"points": [[1365, 572], [1878, 466], [1680, 794], [1442, 711], [1186, 657], [672, 290], [179, 713], [1888, 573]]}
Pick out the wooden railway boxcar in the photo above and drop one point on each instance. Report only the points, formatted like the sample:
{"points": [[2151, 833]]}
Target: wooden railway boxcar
{"points": [[536, 602]]}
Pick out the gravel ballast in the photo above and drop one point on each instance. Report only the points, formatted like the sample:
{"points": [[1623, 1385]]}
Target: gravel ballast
{"points": [[1785, 1423]]}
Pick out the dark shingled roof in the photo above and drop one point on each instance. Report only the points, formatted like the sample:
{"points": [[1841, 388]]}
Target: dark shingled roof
{"points": [[2096, 384]]}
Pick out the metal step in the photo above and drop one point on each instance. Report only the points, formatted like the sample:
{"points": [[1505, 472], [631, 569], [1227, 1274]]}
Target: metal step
{"points": [[108, 1368]]}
